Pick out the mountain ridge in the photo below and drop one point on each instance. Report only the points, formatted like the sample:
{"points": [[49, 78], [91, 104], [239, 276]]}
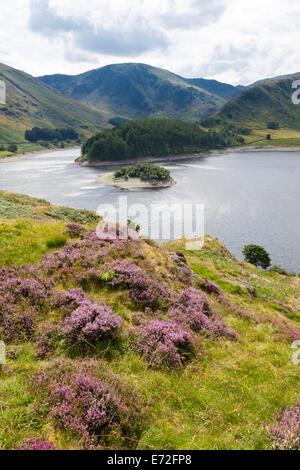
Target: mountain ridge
{"points": [[135, 90], [263, 103], [32, 103]]}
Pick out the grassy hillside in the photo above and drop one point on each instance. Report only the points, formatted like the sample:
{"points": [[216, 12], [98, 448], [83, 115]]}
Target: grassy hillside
{"points": [[224, 90], [275, 79], [138, 91], [260, 105], [29, 103], [213, 382]]}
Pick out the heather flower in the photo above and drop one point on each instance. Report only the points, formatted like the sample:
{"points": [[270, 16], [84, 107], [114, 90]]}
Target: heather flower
{"points": [[22, 289], [15, 323], [21, 300], [143, 289], [35, 443], [79, 403], [68, 301], [74, 230], [86, 404], [285, 430], [164, 343], [91, 321], [192, 308], [76, 259], [138, 318]]}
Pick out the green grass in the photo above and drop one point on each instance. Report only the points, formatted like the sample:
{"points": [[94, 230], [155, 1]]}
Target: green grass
{"points": [[31, 103], [257, 106], [23, 242], [57, 241], [19, 206], [31, 227], [222, 397]]}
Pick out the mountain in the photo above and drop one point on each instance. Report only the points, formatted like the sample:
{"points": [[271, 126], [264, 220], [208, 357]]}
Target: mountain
{"points": [[32, 103], [274, 79], [138, 91], [223, 90], [263, 103]]}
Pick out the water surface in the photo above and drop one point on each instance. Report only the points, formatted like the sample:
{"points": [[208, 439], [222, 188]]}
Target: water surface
{"points": [[249, 197]]}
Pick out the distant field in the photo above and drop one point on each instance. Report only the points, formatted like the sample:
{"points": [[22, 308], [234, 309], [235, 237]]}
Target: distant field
{"points": [[279, 138]]}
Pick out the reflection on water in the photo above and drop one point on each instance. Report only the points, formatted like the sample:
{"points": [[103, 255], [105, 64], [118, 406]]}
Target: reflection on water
{"points": [[248, 197]]}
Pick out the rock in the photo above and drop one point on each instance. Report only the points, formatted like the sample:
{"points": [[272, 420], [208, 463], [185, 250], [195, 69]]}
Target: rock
{"points": [[178, 258]]}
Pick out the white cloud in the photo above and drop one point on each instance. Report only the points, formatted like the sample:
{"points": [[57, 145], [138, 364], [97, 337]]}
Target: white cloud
{"points": [[126, 38], [193, 14], [231, 40]]}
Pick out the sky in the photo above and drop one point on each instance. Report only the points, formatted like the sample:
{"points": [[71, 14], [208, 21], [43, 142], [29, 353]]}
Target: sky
{"points": [[234, 41]]}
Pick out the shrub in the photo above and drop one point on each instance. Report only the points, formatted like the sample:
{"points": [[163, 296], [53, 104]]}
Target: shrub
{"points": [[16, 324], [164, 343], [279, 270], [68, 301], [90, 322], [57, 241], [142, 288], [74, 230], [192, 308], [47, 339], [285, 430], [50, 135], [21, 300], [35, 443], [12, 148], [257, 255], [244, 130], [90, 403], [80, 216], [143, 171]]}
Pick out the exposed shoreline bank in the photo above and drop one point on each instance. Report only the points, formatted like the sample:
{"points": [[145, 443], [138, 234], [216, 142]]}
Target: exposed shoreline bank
{"points": [[185, 156], [134, 183], [24, 156], [167, 158]]}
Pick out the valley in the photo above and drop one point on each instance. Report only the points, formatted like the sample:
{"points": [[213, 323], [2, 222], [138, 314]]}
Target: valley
{"points": [[146, 342]]}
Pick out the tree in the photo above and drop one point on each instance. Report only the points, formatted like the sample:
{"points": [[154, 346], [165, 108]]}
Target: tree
{"points": [[151, 137], [257, 255], [12, 148]]}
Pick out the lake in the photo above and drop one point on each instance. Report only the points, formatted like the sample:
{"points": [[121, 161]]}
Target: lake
{"points": [[249, 197]]}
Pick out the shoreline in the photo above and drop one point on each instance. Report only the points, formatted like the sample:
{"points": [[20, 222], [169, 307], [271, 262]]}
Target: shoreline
{"points": [[24, 156], [186, 156], [134, 183], [162, 159]]}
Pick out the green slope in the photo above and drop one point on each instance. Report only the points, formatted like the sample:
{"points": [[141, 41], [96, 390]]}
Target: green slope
{"points": [[138, 91], [275, 79], [223, 396], [224, 90], [271, 101], [29, 103]]}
